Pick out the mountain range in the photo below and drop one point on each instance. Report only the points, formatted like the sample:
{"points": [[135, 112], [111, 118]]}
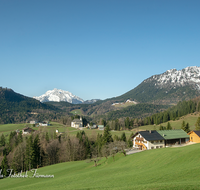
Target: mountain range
{"points": [[169, 87], [165, 90], [58, 95]]}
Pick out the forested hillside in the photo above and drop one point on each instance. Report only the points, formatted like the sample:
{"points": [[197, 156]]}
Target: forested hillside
{"points": [[18, 108], [117, 120], [175, 112], [135, 111], [148, 92]]}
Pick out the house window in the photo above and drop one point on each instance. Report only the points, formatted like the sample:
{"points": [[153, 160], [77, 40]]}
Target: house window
{"points": [[161, 141], [152, 147], [157, 146], [152, 141], [160, 146]]}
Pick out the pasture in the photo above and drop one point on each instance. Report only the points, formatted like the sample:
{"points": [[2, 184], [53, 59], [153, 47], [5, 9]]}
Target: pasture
{"points": [[166, 168]]}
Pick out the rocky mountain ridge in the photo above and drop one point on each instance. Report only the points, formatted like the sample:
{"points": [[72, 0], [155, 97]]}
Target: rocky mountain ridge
{"points": [[57, 95], [174, 78], [169, 87]]}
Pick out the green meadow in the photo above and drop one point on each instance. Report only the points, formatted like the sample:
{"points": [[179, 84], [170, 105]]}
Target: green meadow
{"points": [[7, 128], [77, 111], [167, 168]]}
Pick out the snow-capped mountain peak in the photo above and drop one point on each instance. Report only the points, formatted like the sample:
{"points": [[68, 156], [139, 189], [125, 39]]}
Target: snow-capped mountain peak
{"points": [[58, 95], [189, 75]]}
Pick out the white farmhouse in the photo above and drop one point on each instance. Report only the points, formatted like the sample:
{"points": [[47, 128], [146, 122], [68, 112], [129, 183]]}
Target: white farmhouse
{"points": [[145, 140], [34, 122]]}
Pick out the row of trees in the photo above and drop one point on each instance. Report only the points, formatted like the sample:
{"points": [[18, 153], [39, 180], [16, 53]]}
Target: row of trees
{"points": [[173, 113], [44, 148]]}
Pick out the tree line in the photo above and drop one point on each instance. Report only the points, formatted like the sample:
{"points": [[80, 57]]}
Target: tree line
{"points": [[172, 113], [42, 148]]}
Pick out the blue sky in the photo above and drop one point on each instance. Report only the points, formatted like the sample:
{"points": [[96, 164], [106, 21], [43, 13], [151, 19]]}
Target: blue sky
{"points": [[94, 49]]}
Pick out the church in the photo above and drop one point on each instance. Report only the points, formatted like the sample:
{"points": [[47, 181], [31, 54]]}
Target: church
{"points": [[77, 123]]}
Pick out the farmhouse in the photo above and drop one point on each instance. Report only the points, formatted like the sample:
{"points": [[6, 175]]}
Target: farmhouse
{"points": [[77, 123], [27, 130], [34, 122], [44, 123], [145, 140], [194, 136]]}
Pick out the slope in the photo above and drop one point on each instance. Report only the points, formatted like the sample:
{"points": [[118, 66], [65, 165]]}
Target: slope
{"points": [[166, 88], [148, 92], [16, 107], [167, 168]]}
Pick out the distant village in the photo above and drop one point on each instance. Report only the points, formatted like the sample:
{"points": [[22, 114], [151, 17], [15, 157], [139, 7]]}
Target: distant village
{"points": [[76, 123], [142, 140]]}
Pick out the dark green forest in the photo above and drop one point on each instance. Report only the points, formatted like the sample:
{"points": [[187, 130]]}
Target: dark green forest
{"points": [[147, 92], [136, 111], [15, 108]]}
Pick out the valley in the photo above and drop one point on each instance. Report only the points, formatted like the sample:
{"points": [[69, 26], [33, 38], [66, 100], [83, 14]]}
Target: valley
{"points": [[167, 101]]}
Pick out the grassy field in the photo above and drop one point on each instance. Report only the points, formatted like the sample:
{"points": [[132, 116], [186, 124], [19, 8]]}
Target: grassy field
{"points": [[76, 112], [167, 168], [191, 119], [7, 128]]}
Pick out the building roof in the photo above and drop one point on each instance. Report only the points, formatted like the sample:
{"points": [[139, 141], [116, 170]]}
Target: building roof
{"points": [[173, 134], [197, 132], [151, 135], [28, 129], [100, 126]]}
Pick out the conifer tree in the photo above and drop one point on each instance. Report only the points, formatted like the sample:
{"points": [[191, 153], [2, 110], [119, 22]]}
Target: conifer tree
{"points": [[20, 138], [4, 166], [130, 142], [187, 128], [87, 147], [107, 137], [169, 127], [123, 137], [127, 122], [3, 140], [166, 117], [183, 125], [99, 142], [36, 152], [29, 153]]}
